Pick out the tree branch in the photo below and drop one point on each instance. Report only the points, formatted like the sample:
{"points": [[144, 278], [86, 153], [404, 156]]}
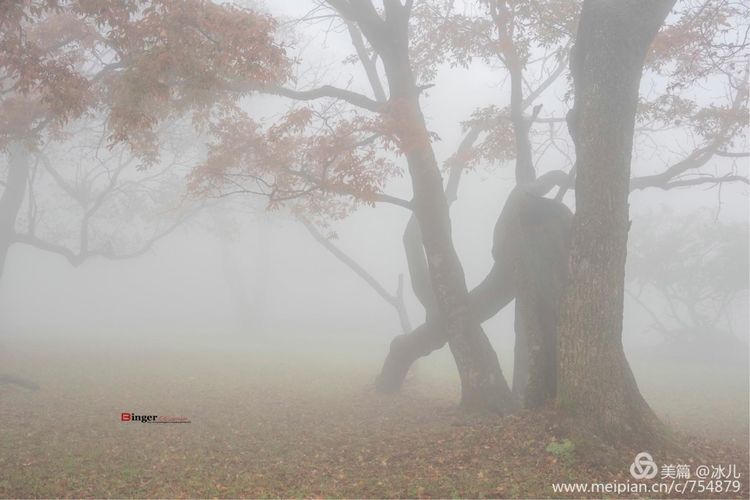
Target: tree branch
{"points": [[730, 154], [370, 67], [386, 198], [354, 98], [394, 300], [703, 180]]}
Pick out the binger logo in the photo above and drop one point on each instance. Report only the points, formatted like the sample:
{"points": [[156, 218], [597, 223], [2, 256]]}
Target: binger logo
{"points": [[643, 467], [132, 417], [152, 419]]}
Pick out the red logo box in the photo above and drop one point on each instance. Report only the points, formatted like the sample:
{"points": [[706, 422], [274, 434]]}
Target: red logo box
{"points": [[125, 417]]}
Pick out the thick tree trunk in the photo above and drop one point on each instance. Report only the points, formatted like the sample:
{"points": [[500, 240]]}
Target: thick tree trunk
{"points": [[542, 239], [483, 386], [404, 350], [596, 387], [530, 243], [486, 300], [419, 273], [520, 354], [12, 198]]}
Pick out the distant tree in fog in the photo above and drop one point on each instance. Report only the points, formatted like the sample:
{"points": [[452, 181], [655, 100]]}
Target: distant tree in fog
{"points": [[688, 271], [136, 63], [86, 200]]}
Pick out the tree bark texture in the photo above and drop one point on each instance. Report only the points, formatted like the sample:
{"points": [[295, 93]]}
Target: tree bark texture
{"points": [[595, 386]]}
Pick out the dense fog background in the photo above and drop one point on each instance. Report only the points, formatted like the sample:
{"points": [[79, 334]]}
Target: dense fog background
{"points": [[239, 275]]}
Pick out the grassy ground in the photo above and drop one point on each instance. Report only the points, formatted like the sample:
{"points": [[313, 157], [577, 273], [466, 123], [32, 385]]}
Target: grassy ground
{"points": [[301, 425]]}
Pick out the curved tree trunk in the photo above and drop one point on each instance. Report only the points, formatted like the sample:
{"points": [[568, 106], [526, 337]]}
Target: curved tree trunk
{"points": [[396, 300], [497, 289], [485, 301], [596, 387], [483, 387], [530, 249], [404, 350]]}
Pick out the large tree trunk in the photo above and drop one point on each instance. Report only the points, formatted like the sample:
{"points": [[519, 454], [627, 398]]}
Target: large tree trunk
{"points": [[530, 243], [482, 382], [486, 300], [13, 195], [595, 384], [483, 386], [541, 241]]}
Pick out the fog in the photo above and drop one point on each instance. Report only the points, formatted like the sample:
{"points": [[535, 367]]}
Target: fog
{"points": [[236, 317]]}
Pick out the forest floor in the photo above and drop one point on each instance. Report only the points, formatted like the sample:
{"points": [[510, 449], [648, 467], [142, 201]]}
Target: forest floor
{"points": [[298, 425]]}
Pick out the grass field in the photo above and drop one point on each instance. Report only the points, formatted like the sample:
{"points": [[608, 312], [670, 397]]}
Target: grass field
{"points": [[267, 423]]}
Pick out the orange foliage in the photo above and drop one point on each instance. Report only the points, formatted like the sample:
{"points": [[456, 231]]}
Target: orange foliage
{"points": [[138, 61]]}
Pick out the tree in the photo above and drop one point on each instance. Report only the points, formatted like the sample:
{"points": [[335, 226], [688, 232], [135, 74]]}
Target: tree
{"points": [[89, 202], [508, 34], [136, 63], [337, 166], [338, 148], [596, 387], [111, 210], [693, 268], [395, 300]]}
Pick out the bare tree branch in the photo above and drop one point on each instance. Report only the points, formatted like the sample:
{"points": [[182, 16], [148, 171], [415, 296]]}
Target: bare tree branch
{"points": [[354, 98], [369, 64], [699, 157], [695, 181], [395, 300], [386, 198], [78, 258], [730, 154]]}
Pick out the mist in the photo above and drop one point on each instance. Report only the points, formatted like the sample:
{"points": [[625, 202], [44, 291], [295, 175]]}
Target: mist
{"points": [[352, 249]]}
